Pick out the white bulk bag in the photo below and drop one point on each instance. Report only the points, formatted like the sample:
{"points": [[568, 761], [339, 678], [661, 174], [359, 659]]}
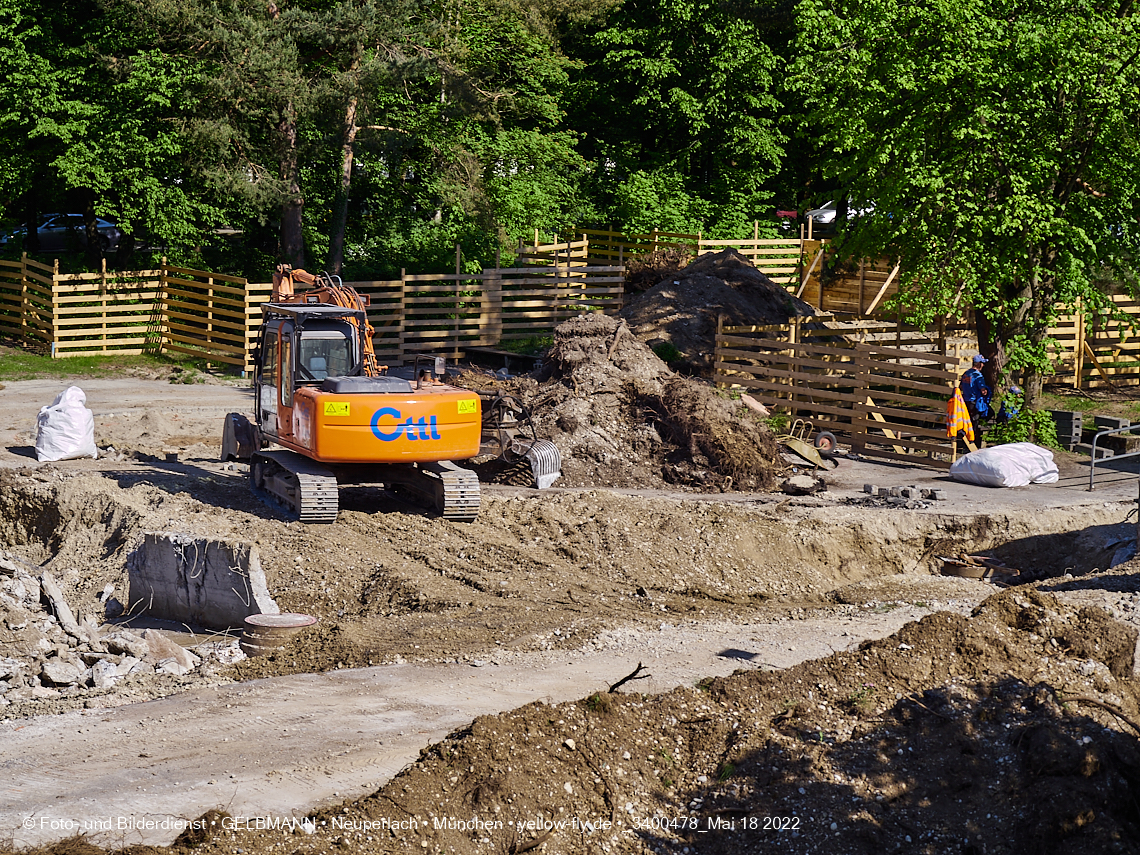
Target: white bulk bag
{"points": [[66, 429], [1017, 464]]}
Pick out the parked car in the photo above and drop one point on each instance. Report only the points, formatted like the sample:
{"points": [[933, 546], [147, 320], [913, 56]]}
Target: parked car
{"points": [[823, 218], [64, 232]]}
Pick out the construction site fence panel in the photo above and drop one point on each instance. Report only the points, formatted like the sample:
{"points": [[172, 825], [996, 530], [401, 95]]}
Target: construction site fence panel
{"points": [[884, 389]]}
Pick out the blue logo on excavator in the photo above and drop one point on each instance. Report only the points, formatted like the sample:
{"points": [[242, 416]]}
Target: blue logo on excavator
{"points": [[425, 428]]}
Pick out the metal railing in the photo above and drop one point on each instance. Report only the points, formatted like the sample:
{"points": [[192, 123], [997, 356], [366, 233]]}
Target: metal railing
{"points": [[1108, 432]]}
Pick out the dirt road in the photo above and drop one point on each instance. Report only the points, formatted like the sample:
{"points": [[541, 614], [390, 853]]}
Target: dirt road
{"points": [[286, 746]]}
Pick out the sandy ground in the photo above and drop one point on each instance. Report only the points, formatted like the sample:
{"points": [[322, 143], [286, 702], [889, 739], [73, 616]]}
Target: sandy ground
{"points": [[807, 577], [288, 745]]}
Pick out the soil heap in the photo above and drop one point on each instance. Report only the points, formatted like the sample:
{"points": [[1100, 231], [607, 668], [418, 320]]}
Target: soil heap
{"points": [[682, 308], [621, 418], [1008, 731]]}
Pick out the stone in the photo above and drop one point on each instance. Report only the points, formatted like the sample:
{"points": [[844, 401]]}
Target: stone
{"points": [[125, 666], [871, 489], [104, 674], [162, 648], [32, 693], [10, 668], [127, 643], [171, 666], [211, 583], [62, 672], [801, 485]]}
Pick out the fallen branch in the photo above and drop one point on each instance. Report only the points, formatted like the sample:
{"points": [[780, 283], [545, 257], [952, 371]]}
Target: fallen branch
{"points": [[1115, 710], [633, 675]]}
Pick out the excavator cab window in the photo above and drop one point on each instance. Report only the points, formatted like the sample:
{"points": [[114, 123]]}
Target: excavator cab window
{"points": [[325, 351], [286, 365]]}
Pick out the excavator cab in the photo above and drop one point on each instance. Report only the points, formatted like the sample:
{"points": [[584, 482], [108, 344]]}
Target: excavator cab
{"points": [[296, 350]]}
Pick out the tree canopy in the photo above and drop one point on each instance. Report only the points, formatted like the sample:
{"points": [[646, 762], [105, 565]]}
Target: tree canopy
{"points": [[997, 144]]}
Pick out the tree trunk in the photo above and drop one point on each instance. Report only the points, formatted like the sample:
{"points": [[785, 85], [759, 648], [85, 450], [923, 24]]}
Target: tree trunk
{"points": [[292, 248], [340, 204], [91, 231], [32, 219]]}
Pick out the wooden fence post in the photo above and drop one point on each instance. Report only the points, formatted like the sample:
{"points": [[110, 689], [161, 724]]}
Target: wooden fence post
{"points": [[54, 308], [402, 327], [103, 300], [24, 302]]}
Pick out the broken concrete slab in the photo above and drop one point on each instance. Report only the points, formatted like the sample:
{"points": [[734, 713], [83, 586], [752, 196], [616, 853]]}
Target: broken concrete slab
{"points": [[162, 648], [211, 583], [60, 672], [126, 643], [104, 674]]}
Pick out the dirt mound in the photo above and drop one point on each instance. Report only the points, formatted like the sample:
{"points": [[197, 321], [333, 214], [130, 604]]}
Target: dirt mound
{"points": [[642, 272], [682, 309], [1007, 731], [621, 418]]}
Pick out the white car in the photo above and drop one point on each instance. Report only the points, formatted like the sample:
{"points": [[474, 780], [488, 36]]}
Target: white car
{"points": [[825, 216], [64, 232]]}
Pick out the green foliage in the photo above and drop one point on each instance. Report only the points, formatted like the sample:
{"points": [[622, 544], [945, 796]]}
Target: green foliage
{"points": [[725, 772], [667, 352], [530, 346], [689, 136], [998, 150], [1027, 426]]}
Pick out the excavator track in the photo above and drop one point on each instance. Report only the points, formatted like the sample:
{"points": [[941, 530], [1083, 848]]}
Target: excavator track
{"points": [[459, 488], [303, 488], [452, 490]]}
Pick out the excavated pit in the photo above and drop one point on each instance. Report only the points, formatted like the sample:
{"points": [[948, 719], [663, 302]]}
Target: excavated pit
{"points": [[388, 583]]}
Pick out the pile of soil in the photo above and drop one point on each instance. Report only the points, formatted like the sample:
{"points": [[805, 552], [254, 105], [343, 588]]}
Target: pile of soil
{"points": [[621, 418], [1008, 731], [642, 272], [682, 309]]}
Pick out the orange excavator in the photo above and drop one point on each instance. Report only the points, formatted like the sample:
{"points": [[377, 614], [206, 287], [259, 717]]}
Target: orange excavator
{"points": [[338, 417]]}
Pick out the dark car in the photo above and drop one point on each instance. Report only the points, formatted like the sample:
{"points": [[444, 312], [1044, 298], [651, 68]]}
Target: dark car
{"points": [[64, 232]]}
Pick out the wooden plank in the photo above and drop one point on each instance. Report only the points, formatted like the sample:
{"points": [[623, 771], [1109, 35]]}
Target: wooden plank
{"points": [[210, 355], [909, 458], [234, 328], [214, 301], [205, 274], [211, 347], [771, 359]]}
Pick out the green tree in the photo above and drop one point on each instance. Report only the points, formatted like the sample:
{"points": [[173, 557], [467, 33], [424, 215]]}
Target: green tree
{"points": [[88, 118], [676, 100], [997, 143]]}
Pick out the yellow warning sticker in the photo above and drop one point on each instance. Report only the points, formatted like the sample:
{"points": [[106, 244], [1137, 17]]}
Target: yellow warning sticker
{"points": [[467, 408], [336, 408]]}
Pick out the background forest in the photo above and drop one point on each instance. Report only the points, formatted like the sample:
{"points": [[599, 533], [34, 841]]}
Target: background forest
{"points": [[990, 147], [362, 136]]}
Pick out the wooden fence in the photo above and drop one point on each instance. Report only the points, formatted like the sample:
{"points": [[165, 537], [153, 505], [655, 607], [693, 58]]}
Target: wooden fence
{"points": [[890, 401], [216, 317], [780, 259]]}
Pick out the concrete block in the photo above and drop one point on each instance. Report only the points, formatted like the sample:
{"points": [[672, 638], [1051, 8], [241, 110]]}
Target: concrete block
{"points": [[62, 673], [895, 492], [938, 495], [210, 583], [870, 489], [104, 674], [1086, 448]]}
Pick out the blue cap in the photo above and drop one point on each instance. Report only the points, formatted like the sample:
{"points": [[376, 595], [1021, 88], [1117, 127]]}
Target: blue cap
{"points": [[979, 358], [1017, 390]]}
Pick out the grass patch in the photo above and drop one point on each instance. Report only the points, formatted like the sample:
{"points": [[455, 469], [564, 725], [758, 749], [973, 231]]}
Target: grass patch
{"points": [[22, 365]]}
